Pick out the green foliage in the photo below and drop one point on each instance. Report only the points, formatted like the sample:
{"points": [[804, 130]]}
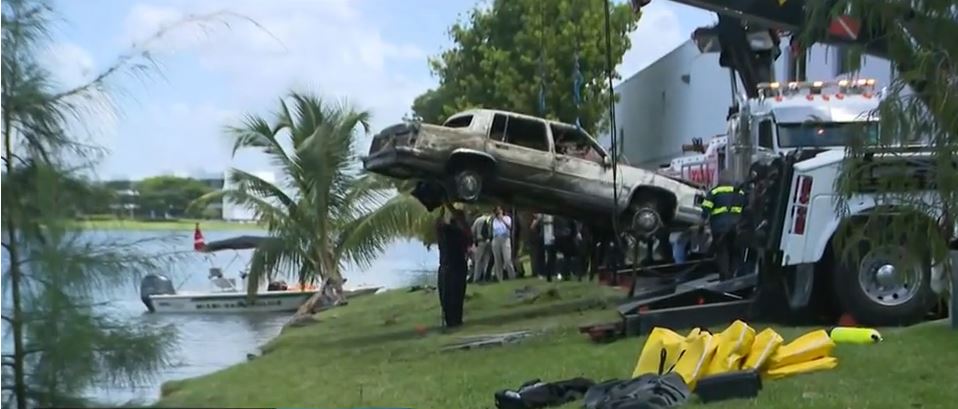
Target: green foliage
{"points": [[324, 212], [921, 107], [502, 54], [70, 342], [162, 195], [64, 338]]}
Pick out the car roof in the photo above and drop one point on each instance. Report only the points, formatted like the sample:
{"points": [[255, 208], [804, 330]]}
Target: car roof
{"points": [[510, 113]]}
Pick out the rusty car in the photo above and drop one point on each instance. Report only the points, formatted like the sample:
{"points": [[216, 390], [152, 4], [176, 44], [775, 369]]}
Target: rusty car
{"points": [[531, 163]]}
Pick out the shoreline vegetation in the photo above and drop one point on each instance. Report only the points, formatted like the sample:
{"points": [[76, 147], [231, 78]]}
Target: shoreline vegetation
{"points": [[164, 225], [386, 350]]}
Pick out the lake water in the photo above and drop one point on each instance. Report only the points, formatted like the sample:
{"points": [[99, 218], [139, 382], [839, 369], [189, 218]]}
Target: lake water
{"points": [[207, 343]]}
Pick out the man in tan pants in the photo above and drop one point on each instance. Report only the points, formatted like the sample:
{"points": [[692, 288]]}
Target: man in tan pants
{"points": [[502, 244]]}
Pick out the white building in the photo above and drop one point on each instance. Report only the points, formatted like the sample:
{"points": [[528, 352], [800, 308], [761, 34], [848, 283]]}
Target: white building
{"points": [[236, 212], [686, 95]]}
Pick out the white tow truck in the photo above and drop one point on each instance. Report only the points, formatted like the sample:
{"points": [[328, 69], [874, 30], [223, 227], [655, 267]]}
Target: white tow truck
{"points": [[797, 133]]}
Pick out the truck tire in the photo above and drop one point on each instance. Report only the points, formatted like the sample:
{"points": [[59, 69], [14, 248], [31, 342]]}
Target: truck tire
{"points": [[879, 285]]}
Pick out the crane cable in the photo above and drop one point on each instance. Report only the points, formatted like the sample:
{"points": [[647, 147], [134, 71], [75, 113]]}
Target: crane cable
{"points": [[615, 153], [542, 71]]}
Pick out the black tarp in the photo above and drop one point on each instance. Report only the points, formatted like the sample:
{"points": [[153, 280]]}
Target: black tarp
{"points": [[236, 243]]}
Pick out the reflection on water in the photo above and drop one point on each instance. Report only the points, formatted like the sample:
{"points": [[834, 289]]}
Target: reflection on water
{"points": [[210, 342]]}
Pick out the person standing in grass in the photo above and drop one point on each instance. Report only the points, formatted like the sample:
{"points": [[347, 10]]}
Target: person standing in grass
{"points": [[502, 244], [454, 239], [482, 250], [544, 222]]}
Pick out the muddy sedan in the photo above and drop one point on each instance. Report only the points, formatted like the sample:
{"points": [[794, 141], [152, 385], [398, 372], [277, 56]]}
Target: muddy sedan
{"points": [[531, 163]]}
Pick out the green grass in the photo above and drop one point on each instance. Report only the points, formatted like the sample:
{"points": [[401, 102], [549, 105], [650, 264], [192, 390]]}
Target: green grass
{"points": [[164, 225], [369, 354]]}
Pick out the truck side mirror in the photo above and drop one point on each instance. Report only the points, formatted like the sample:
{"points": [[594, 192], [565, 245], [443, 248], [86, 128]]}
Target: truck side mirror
{"points": [[606, 161]]}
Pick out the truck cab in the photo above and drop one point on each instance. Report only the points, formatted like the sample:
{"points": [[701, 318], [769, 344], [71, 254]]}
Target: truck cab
{"points": [[822, 240], [788, 146]]}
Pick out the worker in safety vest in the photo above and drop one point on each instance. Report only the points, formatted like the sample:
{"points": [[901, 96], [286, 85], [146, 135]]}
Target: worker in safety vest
{"points": [[722, 208]]}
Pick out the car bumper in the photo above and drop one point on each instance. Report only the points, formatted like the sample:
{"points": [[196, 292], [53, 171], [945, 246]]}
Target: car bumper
{"points": [[402, 162]]}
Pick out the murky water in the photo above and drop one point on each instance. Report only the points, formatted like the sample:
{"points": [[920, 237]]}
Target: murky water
{"points": [[207, 343]]}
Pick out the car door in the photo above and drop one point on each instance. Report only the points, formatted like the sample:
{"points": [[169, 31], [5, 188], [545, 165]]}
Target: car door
{"points": [[584, 182], [523, 152]]}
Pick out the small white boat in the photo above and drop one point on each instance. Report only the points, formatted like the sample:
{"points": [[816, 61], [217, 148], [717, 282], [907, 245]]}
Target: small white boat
{"points": [[159, 295], [267, 301]]}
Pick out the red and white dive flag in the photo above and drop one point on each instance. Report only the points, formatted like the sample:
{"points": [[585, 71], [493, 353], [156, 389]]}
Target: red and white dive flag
{"points": [[198, 242], [845, 26]]}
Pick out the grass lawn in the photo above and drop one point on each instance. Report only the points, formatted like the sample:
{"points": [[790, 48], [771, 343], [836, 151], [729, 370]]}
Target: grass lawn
{"points": [[181, 224], [369, 354]]}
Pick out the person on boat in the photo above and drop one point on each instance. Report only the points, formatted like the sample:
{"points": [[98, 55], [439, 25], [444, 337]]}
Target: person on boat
{"points": [[454, 239]]}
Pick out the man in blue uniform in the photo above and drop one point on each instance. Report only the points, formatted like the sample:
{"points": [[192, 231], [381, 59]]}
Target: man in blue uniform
{"points": [[722, 208]]}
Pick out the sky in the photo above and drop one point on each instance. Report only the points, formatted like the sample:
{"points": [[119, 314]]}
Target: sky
{"points": [[372, 53]]}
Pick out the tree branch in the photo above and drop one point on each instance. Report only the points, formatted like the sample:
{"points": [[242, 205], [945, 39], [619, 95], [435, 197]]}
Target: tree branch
{"points": [[142, 50]]}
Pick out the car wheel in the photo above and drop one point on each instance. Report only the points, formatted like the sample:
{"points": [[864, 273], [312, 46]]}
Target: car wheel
{"points": [[643, 220], [468, 185], [882, 285]]}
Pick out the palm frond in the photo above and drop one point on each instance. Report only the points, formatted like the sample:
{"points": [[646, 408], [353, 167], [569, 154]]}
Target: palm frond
{"points": [[279, 256], [256, 132], [257, 185], [367, 236]]}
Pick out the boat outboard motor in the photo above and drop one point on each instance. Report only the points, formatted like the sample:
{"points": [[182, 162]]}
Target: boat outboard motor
{"points": [[154, 284]]}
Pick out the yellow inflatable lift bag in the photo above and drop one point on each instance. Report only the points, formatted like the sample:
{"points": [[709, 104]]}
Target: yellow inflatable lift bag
{"points": [[687, 356], [738, 348], [806, 348], [819, 364], [765, 344], [650, 358], [733, 345], [697, 351]]}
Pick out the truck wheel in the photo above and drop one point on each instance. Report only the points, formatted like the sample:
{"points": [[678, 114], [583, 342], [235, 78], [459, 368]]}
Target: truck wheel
{"points": [[881, 285], [467, 184]]}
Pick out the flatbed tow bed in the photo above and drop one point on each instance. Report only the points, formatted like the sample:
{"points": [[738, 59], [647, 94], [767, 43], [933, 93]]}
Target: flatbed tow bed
{"points": [[681, 295]]}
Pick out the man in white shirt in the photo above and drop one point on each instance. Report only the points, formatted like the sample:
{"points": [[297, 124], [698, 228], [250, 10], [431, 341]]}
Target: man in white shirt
{"points": [[502, 244], [482, 236], [548, 244]]}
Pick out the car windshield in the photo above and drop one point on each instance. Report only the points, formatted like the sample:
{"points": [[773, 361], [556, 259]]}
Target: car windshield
{"points": [[818, 134]]}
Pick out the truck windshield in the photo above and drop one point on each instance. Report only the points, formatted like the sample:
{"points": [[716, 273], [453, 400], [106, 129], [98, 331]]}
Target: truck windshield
{"points": [[819, 134]]}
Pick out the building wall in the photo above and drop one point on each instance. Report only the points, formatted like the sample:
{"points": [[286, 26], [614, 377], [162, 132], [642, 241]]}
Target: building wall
{"points": [[686, 95], [681, 96]]}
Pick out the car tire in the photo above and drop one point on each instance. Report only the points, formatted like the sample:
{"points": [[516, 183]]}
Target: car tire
{"points": [[467, 184], [643, 219], [878, 286]]}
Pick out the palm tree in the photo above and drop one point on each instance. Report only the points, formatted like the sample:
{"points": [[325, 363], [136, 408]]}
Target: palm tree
{"points": [[323, 213]]}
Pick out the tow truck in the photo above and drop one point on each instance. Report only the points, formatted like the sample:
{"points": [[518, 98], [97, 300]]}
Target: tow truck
{"points": [[794, 139], [787, 142]]}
